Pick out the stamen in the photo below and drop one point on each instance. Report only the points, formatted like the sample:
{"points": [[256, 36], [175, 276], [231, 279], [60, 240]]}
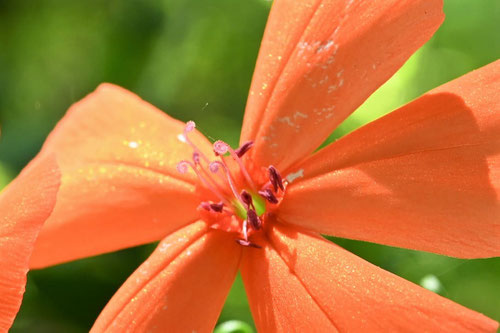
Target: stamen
{"points": [[248, 243], [253, 219], [245, 229], [217, 207], [205, 205], [182, 167], [247, 198], [244, 148], [269, 195], [245, 207], [275, 178]]}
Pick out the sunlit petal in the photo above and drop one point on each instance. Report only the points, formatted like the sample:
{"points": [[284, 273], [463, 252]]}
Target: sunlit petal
{"points": [[181, 287], [120, 186], [319, 61], [24, 205], [301, 282], [425, 177]]}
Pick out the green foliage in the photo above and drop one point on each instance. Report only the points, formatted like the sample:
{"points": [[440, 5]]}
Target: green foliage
{"points": [[234, 326]]}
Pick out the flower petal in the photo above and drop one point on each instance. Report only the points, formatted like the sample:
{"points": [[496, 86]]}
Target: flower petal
{"points": [[319, 61], [120, 186], [425, 177], [301, 282], [181, 287], [25, 205]]}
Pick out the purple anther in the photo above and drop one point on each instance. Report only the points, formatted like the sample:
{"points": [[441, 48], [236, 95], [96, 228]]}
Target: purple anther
{"points": [[253, 219], [248, 243], [205, 205], [269, 195], [217, 207], [182, 166], [220, 147], [190, 126], [275, 178], [244, 148], [246, 198], [196, 158]]}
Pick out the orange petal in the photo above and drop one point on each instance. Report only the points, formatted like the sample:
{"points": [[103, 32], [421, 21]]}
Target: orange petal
{"points": [[301, 282], [120, 186], [425, 177], [25, 204], [180, 288], [319, 60]]}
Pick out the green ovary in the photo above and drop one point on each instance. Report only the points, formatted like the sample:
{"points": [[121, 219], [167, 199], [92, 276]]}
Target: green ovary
{"points": [[258, 201]]}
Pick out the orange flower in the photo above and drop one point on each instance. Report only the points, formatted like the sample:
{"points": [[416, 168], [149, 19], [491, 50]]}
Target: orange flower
{"points": [[25, 205], [425, 177]]}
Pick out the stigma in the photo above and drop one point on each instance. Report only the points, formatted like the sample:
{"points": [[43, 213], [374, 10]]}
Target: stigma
{"points": [[242, 205]]}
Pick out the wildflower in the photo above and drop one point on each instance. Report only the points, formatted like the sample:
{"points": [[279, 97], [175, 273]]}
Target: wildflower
{"points": [[424, 177]]}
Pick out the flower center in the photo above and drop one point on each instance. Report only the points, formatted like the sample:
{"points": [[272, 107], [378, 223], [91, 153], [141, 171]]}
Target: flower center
{"points": [[242, 206]]}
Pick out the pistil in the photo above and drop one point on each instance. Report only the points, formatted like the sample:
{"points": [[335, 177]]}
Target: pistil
{"points": [[220, 148], [182, 167], [248, 206]]}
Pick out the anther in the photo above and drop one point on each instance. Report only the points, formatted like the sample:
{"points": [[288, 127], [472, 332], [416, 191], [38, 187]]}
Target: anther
{"points": [[217, 207], [248, 243], [246, 198], [269, 195], [205, 205], [253, 219], [244, 148], [275, 178]]}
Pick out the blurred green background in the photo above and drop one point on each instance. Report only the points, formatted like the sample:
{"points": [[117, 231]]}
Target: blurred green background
{"points": [[181, 55]]}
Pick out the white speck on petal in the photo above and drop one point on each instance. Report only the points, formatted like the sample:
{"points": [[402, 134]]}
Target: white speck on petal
{"points": [[133, 144], [286, 120], [181, 138], [163, 247], [298, 114], [294, 175]]}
